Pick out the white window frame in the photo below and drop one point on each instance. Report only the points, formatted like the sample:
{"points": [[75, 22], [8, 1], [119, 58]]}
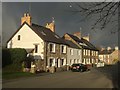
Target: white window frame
{"points": [[84, 52], [53, 62], [19, 37], [53, 48], [71, 51], [64, 49]]}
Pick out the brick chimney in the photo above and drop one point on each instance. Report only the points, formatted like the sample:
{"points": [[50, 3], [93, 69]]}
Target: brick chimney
{"points": [[77, 34], [108, 48], [26, 18], [102, 49], [86, 37], [116, 48], [51, 25]]}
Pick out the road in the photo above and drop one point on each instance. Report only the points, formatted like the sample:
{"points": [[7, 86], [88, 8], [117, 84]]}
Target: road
{"points": [[66, 79]]}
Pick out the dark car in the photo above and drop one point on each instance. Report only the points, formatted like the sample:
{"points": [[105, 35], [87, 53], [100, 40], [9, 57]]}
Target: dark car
{"points": [[79, 67]]}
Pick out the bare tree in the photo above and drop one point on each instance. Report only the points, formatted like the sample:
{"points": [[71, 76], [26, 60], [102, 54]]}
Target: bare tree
{"points": [[105, 12]]}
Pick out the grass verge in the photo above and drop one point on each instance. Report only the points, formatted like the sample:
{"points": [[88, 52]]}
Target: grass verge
{"points": [[14, 75]]}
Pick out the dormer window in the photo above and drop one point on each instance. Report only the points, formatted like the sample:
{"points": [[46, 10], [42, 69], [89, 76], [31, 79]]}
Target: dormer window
{"points": [[19, 37]]}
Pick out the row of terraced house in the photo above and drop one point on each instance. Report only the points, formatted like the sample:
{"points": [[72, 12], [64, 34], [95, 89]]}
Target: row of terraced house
{"points": [[49, 49]]}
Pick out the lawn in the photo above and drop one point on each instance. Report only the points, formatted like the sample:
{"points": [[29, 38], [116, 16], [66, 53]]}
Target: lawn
{"points": [[14, 75]]}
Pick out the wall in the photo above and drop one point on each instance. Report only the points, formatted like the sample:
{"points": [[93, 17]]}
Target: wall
{"points": [[28, 39], [75, 55]]}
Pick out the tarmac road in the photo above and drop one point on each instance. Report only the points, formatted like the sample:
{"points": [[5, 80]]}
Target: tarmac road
{"points": [[66, 79]]}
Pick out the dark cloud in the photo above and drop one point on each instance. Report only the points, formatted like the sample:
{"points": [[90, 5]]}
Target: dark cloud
{"points": [[66, 20]]}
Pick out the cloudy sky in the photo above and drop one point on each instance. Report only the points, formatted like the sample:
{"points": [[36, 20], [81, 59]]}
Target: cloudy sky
{"points": [[66, 21]]}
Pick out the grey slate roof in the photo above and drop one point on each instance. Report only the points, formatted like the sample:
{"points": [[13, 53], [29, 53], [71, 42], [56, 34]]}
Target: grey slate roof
{"points": [[46, 34], [106, 51], [83, 41], [71, 44], [91, 46]]}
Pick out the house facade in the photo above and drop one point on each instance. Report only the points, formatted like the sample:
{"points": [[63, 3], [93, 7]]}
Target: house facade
{"points": [[74, 53], [47, 48], [89, 53], [109, 55]]}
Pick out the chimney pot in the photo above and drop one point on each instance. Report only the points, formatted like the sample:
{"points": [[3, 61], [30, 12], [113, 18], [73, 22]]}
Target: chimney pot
{"points": [[77, 34]]}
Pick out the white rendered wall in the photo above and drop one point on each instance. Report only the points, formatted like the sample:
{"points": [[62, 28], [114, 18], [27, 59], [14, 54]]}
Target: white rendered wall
{"points": [[28, 39], [75, 55]]}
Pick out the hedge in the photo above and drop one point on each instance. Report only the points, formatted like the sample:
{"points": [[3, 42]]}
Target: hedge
{"points": [[13, 57]]}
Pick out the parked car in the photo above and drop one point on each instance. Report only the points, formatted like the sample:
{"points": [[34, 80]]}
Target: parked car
{"points": [[100, 64], [89, 66], [78, 67]]}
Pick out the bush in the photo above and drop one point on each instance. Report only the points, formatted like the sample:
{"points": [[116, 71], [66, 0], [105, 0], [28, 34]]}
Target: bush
{"points": [[18, 55], [6, 57], [14, 58]]}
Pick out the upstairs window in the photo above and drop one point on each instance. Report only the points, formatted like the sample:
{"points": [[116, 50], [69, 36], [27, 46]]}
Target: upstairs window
{"points": [[36, 48], [52, 47], [71, 51], [84, 51], [63, 49], [18, 37]]}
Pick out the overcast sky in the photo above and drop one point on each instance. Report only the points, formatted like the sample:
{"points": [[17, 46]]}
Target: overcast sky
{"points": [[65, 20]]}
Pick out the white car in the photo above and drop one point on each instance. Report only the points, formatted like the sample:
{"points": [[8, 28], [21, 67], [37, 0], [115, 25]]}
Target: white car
{"points": [[100, 64]]}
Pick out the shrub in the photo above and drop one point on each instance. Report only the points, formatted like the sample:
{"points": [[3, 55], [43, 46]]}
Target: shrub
{"points": [[6, 57], [13, 58]]}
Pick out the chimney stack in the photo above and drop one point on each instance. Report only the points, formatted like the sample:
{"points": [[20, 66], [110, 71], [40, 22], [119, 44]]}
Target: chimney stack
{"points": [[102, 49], [86, 37], [77, 34], [108, 48], [26, 18], [116, 48], [51, 25]]}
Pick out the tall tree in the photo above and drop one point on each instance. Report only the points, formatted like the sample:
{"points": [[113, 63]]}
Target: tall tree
{"points": [[106, 13]]}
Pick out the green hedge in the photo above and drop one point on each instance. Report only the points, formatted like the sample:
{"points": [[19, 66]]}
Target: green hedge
{"points": [[13, 57]]}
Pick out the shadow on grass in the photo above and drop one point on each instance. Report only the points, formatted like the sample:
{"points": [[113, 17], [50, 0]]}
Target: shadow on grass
{"points": [[112, 72]]}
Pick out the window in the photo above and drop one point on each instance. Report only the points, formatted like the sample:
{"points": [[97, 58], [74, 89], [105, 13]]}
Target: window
{"points": [[84, 51], [92, 53], [70, 61], [63, 49], [51, 62], [36, 48], [71, 51], [52, 47], [96, 53], [89, 52], [74, 60], [18, 37], [62, 61]]}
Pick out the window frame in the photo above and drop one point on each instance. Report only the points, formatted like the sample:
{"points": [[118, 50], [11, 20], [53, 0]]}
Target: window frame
{"points": [[36, 48], [19, 37], [71, 51], [63, 49], [52, 50]]}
